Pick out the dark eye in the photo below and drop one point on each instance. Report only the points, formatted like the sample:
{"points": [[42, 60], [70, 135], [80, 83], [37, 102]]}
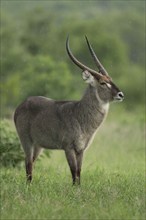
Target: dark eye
{"points": [[102, 83], [107, 84]]}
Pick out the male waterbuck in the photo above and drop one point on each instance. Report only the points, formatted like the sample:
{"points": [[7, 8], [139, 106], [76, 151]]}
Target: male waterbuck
{"points": [[66, 125]]}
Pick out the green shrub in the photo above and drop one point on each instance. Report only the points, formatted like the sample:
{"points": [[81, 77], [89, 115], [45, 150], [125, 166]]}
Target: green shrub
{"points": [[11, 153]]}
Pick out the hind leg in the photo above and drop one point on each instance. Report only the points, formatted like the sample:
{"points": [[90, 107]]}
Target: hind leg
{"points": [[29, 164], [31, 156], [23, 128], [28, 150], [36, 152]]}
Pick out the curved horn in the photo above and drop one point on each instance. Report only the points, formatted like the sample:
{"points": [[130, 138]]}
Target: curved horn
{"points": [[78, 63], [97, 62]]}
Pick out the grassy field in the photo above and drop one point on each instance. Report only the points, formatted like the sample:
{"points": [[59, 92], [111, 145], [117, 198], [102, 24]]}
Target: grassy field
{"points": [[113, 179]]}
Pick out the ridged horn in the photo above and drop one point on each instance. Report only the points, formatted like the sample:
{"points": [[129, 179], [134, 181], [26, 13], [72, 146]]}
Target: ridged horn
{"points": [[79, 64], [97, 62]]}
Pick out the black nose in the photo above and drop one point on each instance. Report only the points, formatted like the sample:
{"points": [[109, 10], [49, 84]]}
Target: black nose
{"points": [[120, 95]]}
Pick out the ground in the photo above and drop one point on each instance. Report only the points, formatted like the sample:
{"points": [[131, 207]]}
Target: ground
{"points": [[112, 184]]}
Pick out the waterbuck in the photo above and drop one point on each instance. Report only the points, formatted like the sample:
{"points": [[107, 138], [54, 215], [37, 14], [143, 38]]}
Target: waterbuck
{"points": [[66, 125]]}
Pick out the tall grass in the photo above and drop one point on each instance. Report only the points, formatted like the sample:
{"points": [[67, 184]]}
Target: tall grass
{"points": [[112, 185], [102, 195]]}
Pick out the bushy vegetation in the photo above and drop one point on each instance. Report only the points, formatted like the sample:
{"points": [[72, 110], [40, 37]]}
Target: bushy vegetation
{"points": [[34, 60], [10, 148], [11, 152]]}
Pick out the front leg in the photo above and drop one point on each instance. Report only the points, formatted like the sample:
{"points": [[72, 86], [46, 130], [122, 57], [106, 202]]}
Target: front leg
{"points": [[71, 158]]}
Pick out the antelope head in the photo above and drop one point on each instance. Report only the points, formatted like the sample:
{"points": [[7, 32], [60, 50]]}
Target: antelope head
{"points": [[101, 81]]}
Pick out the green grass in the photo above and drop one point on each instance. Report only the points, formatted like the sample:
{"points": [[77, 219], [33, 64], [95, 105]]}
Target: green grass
{"points": [[112, 186], [103, 195]]}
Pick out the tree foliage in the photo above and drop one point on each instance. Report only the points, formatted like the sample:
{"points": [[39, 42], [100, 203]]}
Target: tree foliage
{"points": [[34, 60]]}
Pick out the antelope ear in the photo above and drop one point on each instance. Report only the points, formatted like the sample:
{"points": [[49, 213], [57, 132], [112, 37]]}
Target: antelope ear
{"points": [[88, 78]]}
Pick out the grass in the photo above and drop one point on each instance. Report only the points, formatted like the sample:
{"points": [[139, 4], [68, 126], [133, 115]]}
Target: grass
{"points": [[103, 195], [113, 179]]}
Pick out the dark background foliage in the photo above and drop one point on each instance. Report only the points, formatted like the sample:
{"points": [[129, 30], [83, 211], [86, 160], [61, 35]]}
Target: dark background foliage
{"points": [[33, 56]]}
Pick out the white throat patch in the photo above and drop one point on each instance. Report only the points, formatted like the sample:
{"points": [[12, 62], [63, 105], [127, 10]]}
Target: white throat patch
{"points": [[105, 106]]}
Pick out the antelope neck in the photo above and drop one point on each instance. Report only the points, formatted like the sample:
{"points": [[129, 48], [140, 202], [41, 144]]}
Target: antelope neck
{"points": [[92, 110], [93, 102]]}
